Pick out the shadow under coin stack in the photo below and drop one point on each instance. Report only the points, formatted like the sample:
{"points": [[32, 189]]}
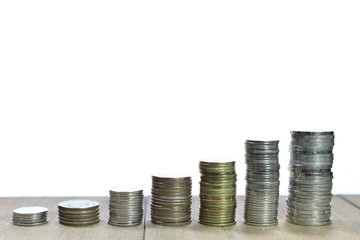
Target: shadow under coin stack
{"points": [[262, 183], [217, 193], [78, 213], [309, 200], [125, 206], [171, 200], [30, 216]]}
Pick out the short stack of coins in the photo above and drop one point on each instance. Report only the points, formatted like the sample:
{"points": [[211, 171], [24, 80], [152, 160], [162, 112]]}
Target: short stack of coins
{"points": [[78, 213], [171, 200], [309, 199], [217, 192], [30, 216], [126, 206], [262, 183]]}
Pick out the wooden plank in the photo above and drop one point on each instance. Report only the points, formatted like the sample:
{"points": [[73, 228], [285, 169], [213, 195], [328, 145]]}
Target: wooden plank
{"points": [[352, 199], [346, 225], [53, 230]]}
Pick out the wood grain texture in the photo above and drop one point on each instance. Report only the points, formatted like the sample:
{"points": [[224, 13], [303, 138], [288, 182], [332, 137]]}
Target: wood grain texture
{"points": [[352, 199], [346, 225], [53, 230]]}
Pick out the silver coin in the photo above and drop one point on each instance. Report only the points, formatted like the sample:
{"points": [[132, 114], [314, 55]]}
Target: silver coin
{"points": [[78, 204], [124, 224], [30, 216], [311, 177], [79, 224], [30, 210], [125, 206], [262, 188], [31, 224], [78, 212]]}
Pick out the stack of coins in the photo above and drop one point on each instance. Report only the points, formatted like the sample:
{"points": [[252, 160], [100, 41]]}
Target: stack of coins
{"points": [[30, 216], [171, 200], [217, 192], [125, 206], [78, 213], [262, 189], [309, 199]]}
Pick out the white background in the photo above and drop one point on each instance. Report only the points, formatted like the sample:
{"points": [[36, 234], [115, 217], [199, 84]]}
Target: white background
{"points": [[95, 94]]}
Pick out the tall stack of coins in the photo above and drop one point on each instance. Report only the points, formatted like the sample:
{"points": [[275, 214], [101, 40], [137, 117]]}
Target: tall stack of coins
{"points": [[217, 192], [125, 206], [309, 199], [262, 188], [30, 216], [78, 213], [171, 200]]}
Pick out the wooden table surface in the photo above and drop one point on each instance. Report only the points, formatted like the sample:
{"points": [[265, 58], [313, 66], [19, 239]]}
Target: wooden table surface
{"points": [[345, 225]]}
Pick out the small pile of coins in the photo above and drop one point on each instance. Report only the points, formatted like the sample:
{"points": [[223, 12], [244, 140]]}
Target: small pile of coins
{"points": [[30, 216], [262, 183], [217, 192], [78, 213], [171, 200], [125, 206], [309, 199]]}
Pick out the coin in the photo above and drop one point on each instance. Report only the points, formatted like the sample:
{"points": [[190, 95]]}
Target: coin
{"points": [[311, 159], [171, 199], [126, 206], [78, 205], [262, 183], [217, 192], [30, 216], [78, 213], [79, 224]]}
